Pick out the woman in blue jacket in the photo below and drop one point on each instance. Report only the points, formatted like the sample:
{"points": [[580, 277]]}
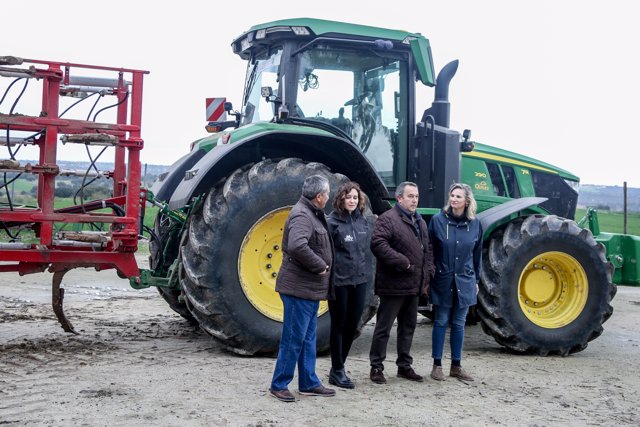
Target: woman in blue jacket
{"points": [[456, 236], [351, 238]]}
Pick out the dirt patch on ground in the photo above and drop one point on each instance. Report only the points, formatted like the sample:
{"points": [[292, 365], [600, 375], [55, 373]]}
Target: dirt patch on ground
{"points": [[135, 362]]}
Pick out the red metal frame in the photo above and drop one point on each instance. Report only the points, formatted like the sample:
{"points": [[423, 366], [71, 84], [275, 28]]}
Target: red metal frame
{"points": [[118, 252]]}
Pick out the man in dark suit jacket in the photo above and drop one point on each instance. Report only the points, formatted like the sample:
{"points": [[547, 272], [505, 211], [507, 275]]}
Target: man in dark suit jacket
{"points": [[404, 267]]}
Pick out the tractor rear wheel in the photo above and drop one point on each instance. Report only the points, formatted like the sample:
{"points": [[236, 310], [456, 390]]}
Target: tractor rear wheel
{"points": [[232, 253], [165, 229], [546, 286]]}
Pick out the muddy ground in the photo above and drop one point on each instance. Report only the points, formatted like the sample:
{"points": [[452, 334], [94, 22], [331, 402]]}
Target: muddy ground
{"points": [[136, 362]]}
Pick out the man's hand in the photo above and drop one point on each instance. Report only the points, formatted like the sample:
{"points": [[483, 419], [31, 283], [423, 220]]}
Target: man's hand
{"points": [[326, 271], [425, 289]]}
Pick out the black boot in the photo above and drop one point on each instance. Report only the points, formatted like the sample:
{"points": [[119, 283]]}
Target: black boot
{"points": [[339, 378]]}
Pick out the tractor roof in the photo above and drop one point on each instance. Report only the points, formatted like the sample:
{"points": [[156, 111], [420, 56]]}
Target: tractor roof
{"points": [[321, 27], [307, 29]]}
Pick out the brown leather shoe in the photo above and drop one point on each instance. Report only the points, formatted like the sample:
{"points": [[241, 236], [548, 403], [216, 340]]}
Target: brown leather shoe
{"points": [[282, 395], [319, 391], [459, 373], [377, 376], [409, 374], [436, 373]]}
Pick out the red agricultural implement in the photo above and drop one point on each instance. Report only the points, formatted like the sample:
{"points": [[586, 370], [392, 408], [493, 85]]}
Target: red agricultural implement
{"points": [[100, 233]]}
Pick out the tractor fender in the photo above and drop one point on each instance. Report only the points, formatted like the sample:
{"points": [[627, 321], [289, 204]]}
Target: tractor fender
{"points": [[167, 182], [340, 155], [493, 215]]}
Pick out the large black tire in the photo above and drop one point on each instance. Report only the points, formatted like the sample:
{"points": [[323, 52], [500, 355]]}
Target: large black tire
{"points": [[231, 296], [163, 228], [546, 286]]}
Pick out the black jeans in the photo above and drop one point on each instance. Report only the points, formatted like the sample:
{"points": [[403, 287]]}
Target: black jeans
{"points": [[405, 309], [345, 311]]}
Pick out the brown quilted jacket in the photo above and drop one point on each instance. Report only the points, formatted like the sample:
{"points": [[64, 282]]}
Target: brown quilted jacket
{"points": [[404, 261], [307, 251]]}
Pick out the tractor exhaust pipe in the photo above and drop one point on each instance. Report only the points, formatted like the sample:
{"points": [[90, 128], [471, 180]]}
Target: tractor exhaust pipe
{"points": [[440, 108]]}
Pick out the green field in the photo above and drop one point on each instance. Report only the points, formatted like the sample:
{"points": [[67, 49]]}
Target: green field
{"points": [[62, 202], [612, 222]]}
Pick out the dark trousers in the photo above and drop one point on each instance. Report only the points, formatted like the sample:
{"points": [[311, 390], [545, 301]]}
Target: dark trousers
{"points": [[405, 309], [345, 311]]}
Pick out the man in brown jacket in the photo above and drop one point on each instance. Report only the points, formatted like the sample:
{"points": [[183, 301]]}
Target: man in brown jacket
{"points": [[404, 266], [303, 280]]}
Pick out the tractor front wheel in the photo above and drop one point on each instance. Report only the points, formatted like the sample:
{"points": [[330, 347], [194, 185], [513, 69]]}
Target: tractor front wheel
{"points": [[233, 251]]}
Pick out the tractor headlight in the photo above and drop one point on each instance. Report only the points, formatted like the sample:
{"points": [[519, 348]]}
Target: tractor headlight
{"points": [[300, 31], [245, 44]]}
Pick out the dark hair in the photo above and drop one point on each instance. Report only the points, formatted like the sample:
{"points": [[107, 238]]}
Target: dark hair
{"points": [[313, 185], [402, 185], [341, 194]]}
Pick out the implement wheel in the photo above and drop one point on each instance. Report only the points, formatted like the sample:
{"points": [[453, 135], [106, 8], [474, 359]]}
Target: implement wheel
{"points": [[233, 252], [546, 286]]}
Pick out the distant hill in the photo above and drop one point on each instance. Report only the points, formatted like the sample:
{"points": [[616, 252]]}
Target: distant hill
{"points": [[610, 198]]}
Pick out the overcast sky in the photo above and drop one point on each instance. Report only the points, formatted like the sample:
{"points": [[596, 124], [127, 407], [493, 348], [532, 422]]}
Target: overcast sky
{"points": [[555, 80]]}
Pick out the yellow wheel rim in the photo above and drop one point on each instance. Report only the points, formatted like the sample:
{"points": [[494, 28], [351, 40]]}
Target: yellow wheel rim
{"points": [[553, 290], [259, 261]]}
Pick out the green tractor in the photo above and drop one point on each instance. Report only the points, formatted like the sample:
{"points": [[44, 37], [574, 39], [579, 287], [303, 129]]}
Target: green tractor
{"points": [[339, 100]]}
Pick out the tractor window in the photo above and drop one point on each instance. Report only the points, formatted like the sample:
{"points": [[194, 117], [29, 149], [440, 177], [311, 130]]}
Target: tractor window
{"points": [[318, 90], [512, 183], [263, 72], [359, 92], [562, 198], [496, 180]]}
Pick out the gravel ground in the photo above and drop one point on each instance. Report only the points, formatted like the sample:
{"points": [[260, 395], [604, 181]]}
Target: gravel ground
{"points": [[135, 362]]}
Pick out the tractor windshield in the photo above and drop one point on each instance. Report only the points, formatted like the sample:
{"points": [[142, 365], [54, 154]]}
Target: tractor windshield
{"points": [[360, 92]]}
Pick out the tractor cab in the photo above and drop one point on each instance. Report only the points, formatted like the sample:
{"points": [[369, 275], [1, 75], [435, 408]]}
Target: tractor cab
{"points": [[356, 81]]}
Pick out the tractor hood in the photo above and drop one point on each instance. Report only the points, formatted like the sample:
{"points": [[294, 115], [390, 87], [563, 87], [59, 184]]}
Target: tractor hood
{"points": [[489, 153]]}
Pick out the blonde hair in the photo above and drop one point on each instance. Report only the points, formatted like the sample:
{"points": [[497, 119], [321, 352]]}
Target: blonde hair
{"points": [[470, 201]]}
